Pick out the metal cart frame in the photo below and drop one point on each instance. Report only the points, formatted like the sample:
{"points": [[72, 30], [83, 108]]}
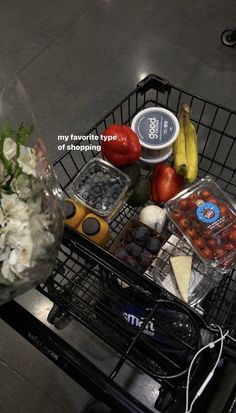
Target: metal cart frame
{"points": [[86, 274]]}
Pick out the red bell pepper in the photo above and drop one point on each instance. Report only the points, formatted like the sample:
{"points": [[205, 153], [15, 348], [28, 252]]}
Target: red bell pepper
{"points": [[165, 183], [122, 147]]}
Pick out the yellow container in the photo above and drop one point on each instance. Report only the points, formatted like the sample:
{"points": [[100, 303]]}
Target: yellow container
{"points": [[95, 228], [74, 213]]}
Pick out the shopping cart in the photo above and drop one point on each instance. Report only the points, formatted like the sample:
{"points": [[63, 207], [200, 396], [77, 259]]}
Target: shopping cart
{"points": [[86, 284]]}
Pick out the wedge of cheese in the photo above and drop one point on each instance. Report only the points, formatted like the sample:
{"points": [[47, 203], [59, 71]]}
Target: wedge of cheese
{"points": [[181, 266]]}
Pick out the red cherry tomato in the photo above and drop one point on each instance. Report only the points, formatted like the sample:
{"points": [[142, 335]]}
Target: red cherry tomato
{"points": [[211, 242], [229, 246], [232, 235], [219, 252], [198, 243], [191, 232], [183, 204], [233, 227], [184, 223], [207, 233], [230, 217], [225, 235], [205, 194], [229, 262], [192, 201], [207, 252], [176, 214], [224, 210], [212, 200]]}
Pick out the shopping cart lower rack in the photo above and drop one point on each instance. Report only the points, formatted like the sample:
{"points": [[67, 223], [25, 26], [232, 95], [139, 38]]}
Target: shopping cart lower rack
{"points": [[143, 323]]}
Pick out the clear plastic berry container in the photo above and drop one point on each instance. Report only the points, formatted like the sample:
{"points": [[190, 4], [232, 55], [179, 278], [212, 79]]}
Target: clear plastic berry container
{"points": [[206, 216], [101, 187]]}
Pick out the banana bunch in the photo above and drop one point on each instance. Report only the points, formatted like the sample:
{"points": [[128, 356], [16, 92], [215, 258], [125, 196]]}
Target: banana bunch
{"points": [[185, 148]]}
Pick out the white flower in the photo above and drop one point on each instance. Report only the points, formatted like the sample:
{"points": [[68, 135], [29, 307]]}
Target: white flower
{"points": [[9, 148], [4, 253], [21, 185], [13, 208], [20, 259], [7, 272], [27, 160], [3, 173], [2, 218]]}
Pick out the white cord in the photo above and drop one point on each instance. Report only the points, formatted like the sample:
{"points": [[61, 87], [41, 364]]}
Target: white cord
{"points": [[209, 377], [231, 338]]}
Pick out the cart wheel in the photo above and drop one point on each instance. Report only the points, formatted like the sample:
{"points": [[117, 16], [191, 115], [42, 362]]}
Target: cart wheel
{"points": [[58, 317], [227, 38]]}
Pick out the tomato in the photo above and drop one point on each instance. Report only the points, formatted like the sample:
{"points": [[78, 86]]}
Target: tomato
{"points": [[211, 242], [224, 210], [219, 252], [233, 227], [225, 235], [207, 233], [230, 217], [212, 200], [191, 232], [229, 246], [183, 204], [207, 252], [232, 235], [184, 223], [192, 201], [205, 194], [176, 214], [198, 243]]}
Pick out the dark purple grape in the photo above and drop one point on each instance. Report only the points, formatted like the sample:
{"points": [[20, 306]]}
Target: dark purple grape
{"points": [[121, 253], [153, 245], [140, 235], [145, 258], [133, 249], [132, 262]]}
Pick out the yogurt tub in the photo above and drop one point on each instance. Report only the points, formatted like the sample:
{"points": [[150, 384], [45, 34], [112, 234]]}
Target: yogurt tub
{"points": [[157, 129]]}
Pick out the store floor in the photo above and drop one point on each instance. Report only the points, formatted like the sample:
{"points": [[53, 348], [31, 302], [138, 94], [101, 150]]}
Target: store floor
{"points": [[78, 58]]}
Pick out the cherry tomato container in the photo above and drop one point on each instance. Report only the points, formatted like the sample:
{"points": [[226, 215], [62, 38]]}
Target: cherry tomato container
{"points": [[206, 217]]}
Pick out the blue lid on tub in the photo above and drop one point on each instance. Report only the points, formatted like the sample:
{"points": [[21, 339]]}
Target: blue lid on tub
{"points": [[156, 127]]}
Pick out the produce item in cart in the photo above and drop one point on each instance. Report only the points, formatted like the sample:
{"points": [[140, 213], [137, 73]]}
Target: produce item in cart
{"points": [[100, 187], [191, 146], [157, 129], [181, 266], [179, 149], [137, 245], [95, 228], [141, 193], [176, 278], [122, 146], [74, 212], [133, 172], [206, 216], [153, 216], [165, 183]]}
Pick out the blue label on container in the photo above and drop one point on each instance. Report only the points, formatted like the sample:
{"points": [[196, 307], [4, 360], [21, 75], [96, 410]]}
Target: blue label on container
{"points": [[208, 212], [155, 128]]}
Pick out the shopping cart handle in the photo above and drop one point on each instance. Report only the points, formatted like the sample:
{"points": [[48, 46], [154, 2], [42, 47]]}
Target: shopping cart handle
{"points": [[153, 82]]}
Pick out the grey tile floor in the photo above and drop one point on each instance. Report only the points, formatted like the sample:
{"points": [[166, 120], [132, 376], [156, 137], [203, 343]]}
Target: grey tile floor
{"points": [[77, 58]]}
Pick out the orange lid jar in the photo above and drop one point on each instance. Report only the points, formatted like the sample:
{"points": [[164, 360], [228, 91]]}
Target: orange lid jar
{"points": [[95, 228], [74, 213]]}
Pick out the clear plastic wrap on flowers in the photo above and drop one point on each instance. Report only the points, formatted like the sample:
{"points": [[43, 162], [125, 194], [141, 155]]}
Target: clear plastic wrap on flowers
{"points": [[31, 217]]}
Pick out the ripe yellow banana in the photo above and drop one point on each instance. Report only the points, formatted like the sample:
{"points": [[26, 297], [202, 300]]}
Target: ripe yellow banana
{"points": [[180, 161], [191, 147]]}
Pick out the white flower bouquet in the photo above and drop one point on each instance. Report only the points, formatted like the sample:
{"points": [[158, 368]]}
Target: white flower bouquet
{"points": [[31, 219]]}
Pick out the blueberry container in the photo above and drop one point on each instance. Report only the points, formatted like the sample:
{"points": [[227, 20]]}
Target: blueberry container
{"points": [[101, 187]]}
